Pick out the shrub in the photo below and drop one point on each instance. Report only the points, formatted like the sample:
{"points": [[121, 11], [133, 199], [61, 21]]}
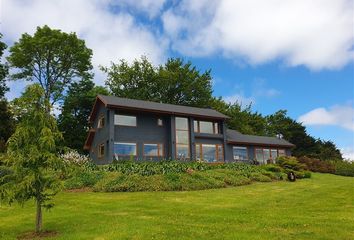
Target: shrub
{"points": [[317, 165], [260, 177], [291, 163], [272, 168], [83, 179], [73, 157], [344, 168]]}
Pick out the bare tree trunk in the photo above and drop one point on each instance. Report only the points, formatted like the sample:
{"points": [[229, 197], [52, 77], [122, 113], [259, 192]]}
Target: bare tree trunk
{"points": [[39, 217]]}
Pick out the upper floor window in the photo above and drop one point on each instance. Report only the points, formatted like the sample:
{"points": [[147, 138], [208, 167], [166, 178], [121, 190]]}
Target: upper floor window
{"points": [[159, 122], [100, 123], [125, 120], [240, 153], [206, 127]]}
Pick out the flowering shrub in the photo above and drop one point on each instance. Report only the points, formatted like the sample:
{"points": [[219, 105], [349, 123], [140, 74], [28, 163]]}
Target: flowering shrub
{"points": [[73, 157]]}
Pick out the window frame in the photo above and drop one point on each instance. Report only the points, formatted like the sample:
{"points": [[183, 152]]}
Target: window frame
{"points": [[215, 126], [101, 122], [217, 146], [160, 149], [183, 144], [243, 147], [101, 155], [158, 122], [125, 115], [127, 143]]}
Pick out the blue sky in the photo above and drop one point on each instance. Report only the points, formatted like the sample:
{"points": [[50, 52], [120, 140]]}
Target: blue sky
{"points": [[293, 55]]}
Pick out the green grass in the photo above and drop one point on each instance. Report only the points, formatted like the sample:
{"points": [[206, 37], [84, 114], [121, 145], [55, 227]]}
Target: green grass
{"points": [[318, 208]]}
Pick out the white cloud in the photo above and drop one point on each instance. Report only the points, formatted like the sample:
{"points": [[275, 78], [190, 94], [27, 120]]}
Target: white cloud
{"points": [[239, 98], [348, 153], [316, 33], [110, 35], [342, 116]]}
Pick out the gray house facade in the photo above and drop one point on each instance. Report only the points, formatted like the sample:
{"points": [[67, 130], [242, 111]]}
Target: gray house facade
{"points": [[127, 129]]}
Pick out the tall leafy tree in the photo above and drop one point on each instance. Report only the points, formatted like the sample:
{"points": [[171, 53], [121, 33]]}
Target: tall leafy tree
{"points": [[52, 58], [242, 118], [32, 159], [295, 132], [175, 82], [4, 70], [77, 106], [6, 121]]}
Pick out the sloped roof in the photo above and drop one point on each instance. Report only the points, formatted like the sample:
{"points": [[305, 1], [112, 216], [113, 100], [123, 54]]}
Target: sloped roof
{"points": [[234, 136], [134, 104]]}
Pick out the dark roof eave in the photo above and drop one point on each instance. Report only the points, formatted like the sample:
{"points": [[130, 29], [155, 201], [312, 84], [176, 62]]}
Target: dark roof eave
{"points": [[166, 112]]}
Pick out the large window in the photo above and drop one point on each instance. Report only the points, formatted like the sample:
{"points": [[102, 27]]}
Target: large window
{"points": [[240, 153], [182, 138], [265, 154], [124, 149], [153, 149], [206, 127], [209, 152], [125, 120]]}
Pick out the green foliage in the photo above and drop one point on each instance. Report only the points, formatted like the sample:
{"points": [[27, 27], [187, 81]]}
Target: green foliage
{"points": [[3, 70], [76, 110], [52, 58], [82, 179], [242, 118], [344, 168], [290, 163], [316, 165], [153, 168], [193, 180], [31, 155], [175, 82], [6, 124]]}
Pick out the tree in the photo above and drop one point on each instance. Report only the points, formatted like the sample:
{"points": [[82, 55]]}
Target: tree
{"points": [[4, 70], [76, 109], [32, 159], [52, 58], [6, 121], [242, 118], [174, 82], [295, 132]]}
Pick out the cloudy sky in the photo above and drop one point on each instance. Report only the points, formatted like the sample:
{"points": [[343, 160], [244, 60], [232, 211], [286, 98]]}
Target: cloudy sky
{"points": [[278, 54]]}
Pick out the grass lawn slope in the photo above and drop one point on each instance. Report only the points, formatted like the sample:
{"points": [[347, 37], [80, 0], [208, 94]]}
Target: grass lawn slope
{"points": [[318, 208]]}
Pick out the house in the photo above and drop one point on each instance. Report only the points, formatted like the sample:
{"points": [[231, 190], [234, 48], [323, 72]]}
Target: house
{"points": [[134, 129]]}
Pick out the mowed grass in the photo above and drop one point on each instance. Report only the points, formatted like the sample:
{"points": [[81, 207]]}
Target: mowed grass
{"points": [[318, 208]]}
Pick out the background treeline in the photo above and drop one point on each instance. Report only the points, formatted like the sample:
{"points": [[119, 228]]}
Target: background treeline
{"points": [[61, 64]]}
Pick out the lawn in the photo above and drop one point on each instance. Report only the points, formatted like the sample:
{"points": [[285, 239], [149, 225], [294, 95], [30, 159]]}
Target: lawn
{"points": [[318, 208]]}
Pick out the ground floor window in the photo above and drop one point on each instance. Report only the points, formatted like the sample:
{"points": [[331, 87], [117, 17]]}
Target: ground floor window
{"points": [[153, 149], [101, 150], [264, 155], [209, 152], [240, 153], [124, 149], [281, 152]]}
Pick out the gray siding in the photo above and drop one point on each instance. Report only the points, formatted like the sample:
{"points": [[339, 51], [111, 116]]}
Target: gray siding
{"points": [[101, 136], [146, 131]]}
